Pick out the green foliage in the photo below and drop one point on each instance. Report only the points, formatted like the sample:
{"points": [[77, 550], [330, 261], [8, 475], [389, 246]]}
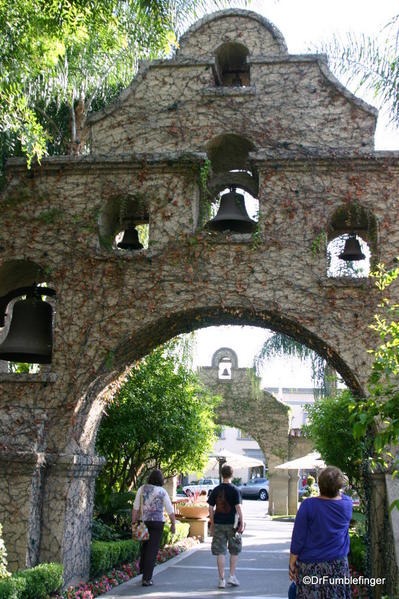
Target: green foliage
{"points": [[319, 243], [370, 63], [204, 174], [12, 588], [61, 60], [380, 410], [3, 557], [39, 582], [115, 509], [182, 530], [310, 489], [324, 377], [336, 444], [161, 416], [21, 367], [357, 555], [102, 532], [106, 555]]}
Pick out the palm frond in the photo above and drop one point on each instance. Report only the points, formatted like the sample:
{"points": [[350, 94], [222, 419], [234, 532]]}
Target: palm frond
{"points": [[279, 345], [371, 63]]}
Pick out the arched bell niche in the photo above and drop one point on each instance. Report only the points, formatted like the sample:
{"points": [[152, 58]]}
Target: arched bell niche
{"points": [[232, 171], [225, 360], [231, 67], [351, 242], [123, 224]]}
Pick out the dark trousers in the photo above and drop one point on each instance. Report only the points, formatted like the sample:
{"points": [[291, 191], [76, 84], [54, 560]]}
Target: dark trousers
{"points": [[149, 549]]}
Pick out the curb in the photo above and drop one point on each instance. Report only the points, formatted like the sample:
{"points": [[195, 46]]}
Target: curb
{"points": [[157, 570]]}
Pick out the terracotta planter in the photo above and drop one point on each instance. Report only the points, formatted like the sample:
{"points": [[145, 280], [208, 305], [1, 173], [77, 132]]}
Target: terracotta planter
{"points": [[193, 511]]}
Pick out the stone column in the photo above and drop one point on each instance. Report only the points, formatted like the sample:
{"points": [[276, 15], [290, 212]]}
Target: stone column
{"points": [[171, 486], [67, 513], [21, 483], [293, 491], [46, 507], [278, 493]]}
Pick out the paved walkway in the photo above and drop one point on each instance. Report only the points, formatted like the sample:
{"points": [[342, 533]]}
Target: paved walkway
{"points": [[262, 567]]}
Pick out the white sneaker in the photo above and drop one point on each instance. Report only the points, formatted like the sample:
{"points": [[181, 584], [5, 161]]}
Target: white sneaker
{"points": [[233, 581], [222, 583]]}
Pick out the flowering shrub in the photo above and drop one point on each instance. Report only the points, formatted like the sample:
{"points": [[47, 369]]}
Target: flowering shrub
{"points": [[94, 588], [359, 591]]}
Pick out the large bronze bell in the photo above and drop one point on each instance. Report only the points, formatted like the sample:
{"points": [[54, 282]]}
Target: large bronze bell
{"points": [[352, 250], [130, 240], [232, 215], [30, 336]]}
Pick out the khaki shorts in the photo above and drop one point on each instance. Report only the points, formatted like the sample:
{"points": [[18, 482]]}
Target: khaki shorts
{"points": [[224, 537]]}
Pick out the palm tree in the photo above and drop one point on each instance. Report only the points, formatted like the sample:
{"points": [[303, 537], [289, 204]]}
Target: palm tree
{"points": [[371, 63]]}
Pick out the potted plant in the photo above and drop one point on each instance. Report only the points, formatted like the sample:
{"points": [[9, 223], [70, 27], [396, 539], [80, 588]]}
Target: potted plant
{"points": [[196, 507]]}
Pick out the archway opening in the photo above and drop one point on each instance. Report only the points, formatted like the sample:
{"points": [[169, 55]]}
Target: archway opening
{"points": [[231, 67], [231, 170], [352, 243]]}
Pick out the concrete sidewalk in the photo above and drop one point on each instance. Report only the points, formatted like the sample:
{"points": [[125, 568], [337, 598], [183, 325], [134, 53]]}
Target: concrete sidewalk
{"points": [[262, 567]]}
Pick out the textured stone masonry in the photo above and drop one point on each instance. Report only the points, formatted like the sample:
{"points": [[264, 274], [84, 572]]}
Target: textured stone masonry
{"points": [[310, 154]]}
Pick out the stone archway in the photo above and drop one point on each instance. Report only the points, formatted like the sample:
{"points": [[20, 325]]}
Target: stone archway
{"points": [[311, 149], [245, 406]]}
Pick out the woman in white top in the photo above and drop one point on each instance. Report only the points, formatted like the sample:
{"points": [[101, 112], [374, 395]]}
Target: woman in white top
{"points": [[155, 499]]}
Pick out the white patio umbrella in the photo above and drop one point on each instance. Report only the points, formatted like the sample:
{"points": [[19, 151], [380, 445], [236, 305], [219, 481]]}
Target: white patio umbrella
{"points": [[310, 461], [236, 460]]}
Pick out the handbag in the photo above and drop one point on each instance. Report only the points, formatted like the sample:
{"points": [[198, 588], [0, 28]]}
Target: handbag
{"points": [[139, 529], [292, 591]]}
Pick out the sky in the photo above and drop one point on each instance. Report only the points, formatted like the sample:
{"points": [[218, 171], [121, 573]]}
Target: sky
{"points": [[304, 25]]}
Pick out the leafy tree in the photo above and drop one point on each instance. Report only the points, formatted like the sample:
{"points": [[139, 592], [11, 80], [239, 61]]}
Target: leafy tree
{"points": [[324, 377], [371, 63], [162, 417], [61, 60], [330, 429], [380, 410]]}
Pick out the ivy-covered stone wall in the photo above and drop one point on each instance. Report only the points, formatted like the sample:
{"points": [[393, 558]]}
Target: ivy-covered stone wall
{"points": [[309, 149]]}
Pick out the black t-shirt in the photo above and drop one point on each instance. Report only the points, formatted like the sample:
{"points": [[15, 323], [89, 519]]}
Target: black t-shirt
{"points": [[225, 497]]}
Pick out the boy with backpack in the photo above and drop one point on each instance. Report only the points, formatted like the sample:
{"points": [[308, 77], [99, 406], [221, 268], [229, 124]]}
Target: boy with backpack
{"points": [[224, 510]]}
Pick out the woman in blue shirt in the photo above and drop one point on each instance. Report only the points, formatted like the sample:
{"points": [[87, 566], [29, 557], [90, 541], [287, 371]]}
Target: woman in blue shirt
{"points": [[320, 541]]}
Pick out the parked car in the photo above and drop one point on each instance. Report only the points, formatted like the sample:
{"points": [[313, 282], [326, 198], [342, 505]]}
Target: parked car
{"points": [[255, 487], [203, 484]]}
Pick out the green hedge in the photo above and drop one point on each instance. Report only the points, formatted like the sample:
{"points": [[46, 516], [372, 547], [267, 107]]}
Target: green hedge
{"points": [[12, 588], [182, 530], [35, 583], [105, 555], [357, 554]]}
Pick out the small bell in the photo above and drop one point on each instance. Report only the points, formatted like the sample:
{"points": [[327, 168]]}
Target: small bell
{"points": [[30, 336], [232, 215], [225, 372], [352, 251], [130, 240]]}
